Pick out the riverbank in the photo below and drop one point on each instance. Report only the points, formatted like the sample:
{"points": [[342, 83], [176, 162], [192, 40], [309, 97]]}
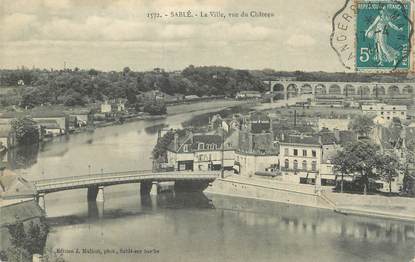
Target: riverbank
{"points": [[398, 208]]}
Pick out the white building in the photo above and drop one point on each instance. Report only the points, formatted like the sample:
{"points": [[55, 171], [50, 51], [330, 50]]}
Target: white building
{"points": [[303, 157], [200, 152], [385, 113]]}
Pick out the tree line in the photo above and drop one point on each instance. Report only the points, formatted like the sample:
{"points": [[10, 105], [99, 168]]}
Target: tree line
{"points": [[79, 87]]}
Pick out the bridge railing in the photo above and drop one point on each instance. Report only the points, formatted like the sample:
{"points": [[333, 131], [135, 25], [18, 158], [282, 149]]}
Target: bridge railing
{"points": [[91, 176], [101, 176]]}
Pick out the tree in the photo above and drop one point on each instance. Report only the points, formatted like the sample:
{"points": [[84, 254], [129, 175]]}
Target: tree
{"points": [[359, 157], [344, 164], [362, 125], [160, 149], [126, 70], [155, 108], [26, 243], [26, 131], [389, 168]]}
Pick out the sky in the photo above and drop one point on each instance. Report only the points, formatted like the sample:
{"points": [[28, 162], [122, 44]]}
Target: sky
{"points": [[113, 34]]}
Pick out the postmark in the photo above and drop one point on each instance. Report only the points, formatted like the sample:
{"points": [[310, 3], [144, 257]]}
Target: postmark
{"points": [[374, 35]]}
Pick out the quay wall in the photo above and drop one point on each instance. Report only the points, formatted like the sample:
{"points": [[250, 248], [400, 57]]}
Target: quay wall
{"points": [[296, 194], [396, 208]]}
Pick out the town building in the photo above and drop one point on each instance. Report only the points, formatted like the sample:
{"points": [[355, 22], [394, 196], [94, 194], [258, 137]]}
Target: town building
{"points": [[385, 113], [303, 159], [201, 152], [257, 151], [113, 106], [333, 123], [50, 127], [7, 138], [248, 95]]}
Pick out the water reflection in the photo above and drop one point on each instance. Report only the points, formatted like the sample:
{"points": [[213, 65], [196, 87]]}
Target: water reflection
{"points": [[20, 157], [291, 219], [150, 130]]}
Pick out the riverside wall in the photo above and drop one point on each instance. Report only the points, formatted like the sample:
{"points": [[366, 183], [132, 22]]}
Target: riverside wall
{"points": [[397, 208], [296, 194]]}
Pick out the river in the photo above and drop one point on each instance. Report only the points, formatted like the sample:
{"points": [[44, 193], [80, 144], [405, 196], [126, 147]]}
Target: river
{"points": [[190, 227]]}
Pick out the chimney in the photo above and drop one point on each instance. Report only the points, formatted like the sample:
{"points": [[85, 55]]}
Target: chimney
{"points": [[319, 140], [337, 134], [301, 135], [176, 141], [282, 136], [189, 135]]}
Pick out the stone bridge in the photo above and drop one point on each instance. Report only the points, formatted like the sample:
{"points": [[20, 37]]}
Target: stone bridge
{"points": [[341, 89], [149, 180]]}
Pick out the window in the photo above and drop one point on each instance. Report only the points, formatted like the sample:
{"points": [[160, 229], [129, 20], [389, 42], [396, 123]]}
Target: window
{"points": [[304, 165], [314, 166], [286, 164], [296, 152], [185, 148], [201, 146], [214, 146], [295, 164], [285, 151], [314, 153], [402, 113], [381, 113], [304, 152]]}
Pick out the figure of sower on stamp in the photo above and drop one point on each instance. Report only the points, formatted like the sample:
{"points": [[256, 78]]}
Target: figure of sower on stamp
{"points": [[379, 32]]}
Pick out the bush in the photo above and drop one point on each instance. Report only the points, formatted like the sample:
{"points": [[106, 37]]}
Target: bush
{"points": [[155, 108]]}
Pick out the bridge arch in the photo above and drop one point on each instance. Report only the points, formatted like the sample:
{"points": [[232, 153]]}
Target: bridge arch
{"points": [[349, 90], [292, 90], [364, 90], [408, 90], [320, 89], [379, 90], [306, 89], [278, 87], [335, 89], [393, 90]]}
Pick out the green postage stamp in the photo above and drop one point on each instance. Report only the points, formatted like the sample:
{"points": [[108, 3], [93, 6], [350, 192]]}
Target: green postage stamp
{"points": [[374, 35], [383, 30]]}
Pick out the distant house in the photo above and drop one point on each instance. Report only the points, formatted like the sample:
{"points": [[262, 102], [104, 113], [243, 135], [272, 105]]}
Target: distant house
{"points": [[151, 95], [113, 106], [191, 97], [7, 137], [106, 107], [248, 95], [50, 127], [385, 113], [333, 123], [61, 119]]}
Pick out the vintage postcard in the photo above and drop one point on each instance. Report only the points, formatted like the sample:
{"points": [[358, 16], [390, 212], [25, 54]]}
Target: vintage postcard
{"points": [[207, 130]]}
